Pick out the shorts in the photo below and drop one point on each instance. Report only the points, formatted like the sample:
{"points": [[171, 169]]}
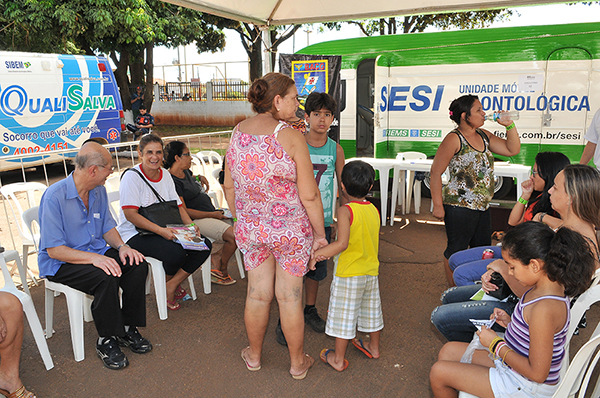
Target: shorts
{"points": [[354, 301], [320, 271], [466, 228], [508, 383], [212, 228]]}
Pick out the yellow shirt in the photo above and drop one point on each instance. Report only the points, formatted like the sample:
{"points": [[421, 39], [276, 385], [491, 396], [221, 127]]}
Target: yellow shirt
{"points": [[361, 255]]}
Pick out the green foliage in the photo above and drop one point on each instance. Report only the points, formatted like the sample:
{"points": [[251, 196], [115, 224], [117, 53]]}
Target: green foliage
{"points": [[103, 26], [418, 23]]}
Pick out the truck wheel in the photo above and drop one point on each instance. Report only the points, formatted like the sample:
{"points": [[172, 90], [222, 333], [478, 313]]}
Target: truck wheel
{"points": [[502, 188]]}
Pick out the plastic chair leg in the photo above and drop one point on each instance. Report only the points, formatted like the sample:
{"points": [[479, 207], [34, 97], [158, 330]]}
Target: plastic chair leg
{"points": [[192, 287], [75, 308], [160, 286], [87, 308], [49, 312], [238, 258], [22, 267], [36, 329], [417, 195], [206, 279]]}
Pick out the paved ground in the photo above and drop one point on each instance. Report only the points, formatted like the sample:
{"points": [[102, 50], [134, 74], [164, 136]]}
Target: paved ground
{"points": [[197, 350]]}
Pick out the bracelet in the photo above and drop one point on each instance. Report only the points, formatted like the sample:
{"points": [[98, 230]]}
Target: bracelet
{"points": [[192, 224], [542, 215], [510, 126], [234, 219], [505, 354], [121, 245], [522, 201], [499, 348], [494, 342]]}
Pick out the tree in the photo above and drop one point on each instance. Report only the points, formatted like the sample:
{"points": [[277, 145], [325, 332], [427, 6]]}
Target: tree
{"points": [[253, 43], [418, 23], [126, 30]]}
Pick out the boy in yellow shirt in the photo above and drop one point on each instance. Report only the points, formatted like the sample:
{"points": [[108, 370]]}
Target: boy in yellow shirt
{"points": [[354, 296]]}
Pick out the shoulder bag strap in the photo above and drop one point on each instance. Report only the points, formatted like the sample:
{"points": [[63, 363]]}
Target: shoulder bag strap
{"points": [[160, 199]]}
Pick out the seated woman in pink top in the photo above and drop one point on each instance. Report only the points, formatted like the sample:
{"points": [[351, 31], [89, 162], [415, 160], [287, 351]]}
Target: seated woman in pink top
{"points": [[278, 215]]}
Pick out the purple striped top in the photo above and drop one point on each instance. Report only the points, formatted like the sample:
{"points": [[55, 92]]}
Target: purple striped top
{"points": [[517, 335]]}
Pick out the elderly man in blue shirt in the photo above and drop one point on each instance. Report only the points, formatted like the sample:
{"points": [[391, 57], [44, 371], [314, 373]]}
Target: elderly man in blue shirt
{"points": [[81, 248]]}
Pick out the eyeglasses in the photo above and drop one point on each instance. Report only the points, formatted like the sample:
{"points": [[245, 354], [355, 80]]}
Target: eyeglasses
{"points": [[111, 168], [533, 172], [186, 154]]}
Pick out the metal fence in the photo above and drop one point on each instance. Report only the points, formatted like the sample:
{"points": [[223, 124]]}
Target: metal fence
{"points": [[58, 165], [212, 91]]}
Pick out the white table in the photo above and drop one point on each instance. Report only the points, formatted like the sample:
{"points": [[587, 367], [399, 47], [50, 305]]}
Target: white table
{"points": [[504, 169], [383, 166]]}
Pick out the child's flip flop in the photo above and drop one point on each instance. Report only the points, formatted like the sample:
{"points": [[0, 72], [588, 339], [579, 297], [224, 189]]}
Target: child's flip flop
{"points": [[323, 356], [358, 343]]}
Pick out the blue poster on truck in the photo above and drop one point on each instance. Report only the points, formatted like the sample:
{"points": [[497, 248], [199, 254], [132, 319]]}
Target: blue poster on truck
{"points": [[50, 102]]}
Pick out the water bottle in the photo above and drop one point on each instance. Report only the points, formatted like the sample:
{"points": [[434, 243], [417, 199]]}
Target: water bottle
{"points": [[510, 115]]}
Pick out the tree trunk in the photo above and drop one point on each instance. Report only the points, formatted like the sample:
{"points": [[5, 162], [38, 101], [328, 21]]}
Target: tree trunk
{"points": [[255, 56], [121, 76], [149, 92]]}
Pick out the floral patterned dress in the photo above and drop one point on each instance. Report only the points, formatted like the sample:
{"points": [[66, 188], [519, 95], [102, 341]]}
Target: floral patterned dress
{"points": [[271, 217]]}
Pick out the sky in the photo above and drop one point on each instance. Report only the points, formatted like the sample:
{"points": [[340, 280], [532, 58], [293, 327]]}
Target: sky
{"points": [[232, 62]]}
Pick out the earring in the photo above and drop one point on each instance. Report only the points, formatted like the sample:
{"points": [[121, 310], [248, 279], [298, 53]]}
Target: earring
{"points": [[278, 109]]}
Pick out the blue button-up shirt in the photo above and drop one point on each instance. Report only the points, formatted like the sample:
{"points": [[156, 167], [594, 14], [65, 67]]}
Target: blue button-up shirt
{"points": [[65, 221]]}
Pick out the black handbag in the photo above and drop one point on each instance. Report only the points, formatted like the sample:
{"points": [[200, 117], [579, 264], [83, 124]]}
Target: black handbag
{"points": [[162, 213], [504, 290]]}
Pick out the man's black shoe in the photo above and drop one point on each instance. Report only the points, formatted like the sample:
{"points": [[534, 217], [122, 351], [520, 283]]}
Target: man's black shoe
{"points": [[313, 319], [134, 340], [111, 354], [279, 334]]}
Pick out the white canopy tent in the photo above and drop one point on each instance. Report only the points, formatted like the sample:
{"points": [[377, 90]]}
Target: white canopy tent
{"points": [[285, 12]]}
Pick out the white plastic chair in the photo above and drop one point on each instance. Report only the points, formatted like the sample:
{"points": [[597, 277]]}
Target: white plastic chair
{"points": [[156, 272], [28, 308], [216, 189], [577, 376], [113, 182], [10, 192], [113, 200], [13, 255], [407, 183], [78, 303]]}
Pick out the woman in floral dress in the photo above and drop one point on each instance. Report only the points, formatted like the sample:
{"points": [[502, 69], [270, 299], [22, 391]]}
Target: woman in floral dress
{"points": [[278, 215], [466, 151]]}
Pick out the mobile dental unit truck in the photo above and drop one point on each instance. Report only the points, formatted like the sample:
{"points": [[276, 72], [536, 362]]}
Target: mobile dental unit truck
{"points": [[550, 74], [50, 102]]}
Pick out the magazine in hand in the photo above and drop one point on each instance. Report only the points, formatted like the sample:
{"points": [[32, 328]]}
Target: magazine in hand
{"points": [[187, 237]]}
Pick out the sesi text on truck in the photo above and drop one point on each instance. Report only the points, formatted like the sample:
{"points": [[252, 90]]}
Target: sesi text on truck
{"points": [[550, 74]]}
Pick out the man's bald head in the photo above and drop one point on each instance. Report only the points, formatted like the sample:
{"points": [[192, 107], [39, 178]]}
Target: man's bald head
{"points": [[91, 153]]}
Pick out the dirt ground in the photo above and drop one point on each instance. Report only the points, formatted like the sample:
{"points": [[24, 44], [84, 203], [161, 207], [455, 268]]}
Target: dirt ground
{"points": [[197, 349]]}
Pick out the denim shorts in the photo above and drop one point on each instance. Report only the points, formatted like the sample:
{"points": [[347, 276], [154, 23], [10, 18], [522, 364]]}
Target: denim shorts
{"points": [[320, 271]]}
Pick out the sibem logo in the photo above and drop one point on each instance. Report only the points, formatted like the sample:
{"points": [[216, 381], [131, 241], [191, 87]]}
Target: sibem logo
{"points": [[17, 64]]}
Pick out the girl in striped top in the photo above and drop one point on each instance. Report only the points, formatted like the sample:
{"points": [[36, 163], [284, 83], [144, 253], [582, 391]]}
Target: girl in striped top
{"points": [[526, 363]]}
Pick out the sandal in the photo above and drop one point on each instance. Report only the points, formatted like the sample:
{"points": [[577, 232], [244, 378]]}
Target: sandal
{"points": [[226, 281], [303, 374], [216, 273], [21, 392], [250, 367], [180, 293], [323, 356], [173, 305]]}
